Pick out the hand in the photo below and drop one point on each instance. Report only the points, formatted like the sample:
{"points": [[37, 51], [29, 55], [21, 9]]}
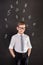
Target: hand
{"points": [[14, 56], [28, 54]]}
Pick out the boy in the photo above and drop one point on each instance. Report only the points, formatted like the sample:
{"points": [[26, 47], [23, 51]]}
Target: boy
{"points": [[20, 42]]}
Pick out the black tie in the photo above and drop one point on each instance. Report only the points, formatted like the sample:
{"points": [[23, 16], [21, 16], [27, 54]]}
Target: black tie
{"points": [[21, 42]]}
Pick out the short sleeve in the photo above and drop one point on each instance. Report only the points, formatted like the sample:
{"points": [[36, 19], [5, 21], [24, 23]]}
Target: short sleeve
{"points": [[28, 42], [12, 42]]}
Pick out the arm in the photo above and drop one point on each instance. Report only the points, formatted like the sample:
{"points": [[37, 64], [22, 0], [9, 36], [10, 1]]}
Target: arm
{"points": [[29, 51], [12, 53], [29, 47], [11, 46]]}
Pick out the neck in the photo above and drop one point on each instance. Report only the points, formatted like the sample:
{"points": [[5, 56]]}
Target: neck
{"points": [[20, 33]]}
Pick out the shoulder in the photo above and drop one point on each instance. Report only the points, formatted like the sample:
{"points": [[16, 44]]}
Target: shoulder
{"points": [[13, 36], [26, 35]]}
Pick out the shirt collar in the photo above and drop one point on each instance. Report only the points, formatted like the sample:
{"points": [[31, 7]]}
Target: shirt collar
{"points": [[20, 34]]}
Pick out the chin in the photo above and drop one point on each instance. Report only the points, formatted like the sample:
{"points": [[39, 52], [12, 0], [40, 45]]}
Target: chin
{"points": [[22, 32]]}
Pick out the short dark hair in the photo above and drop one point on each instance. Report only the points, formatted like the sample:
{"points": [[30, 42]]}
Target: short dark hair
{"points": [[21, 23]]}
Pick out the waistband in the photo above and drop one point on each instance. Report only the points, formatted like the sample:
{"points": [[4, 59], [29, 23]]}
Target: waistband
{"points": [[20, 53]]}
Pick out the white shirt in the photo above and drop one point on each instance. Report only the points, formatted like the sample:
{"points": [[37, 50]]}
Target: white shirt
{"points": [[15, 43]]}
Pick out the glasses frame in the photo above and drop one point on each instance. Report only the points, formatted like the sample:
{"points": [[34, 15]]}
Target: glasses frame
{"points": [[21, 28]]}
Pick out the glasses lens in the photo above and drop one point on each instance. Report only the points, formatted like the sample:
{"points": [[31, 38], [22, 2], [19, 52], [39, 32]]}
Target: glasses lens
{"points": [[21, 27]]}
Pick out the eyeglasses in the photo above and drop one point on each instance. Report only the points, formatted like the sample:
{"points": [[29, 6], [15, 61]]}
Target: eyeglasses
{"points": [[22, 27]]}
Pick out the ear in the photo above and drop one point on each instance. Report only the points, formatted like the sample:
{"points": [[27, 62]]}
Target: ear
{"points": [[17, 28]]}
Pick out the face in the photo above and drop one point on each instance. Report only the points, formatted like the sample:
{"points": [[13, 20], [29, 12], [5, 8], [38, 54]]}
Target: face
{"points": [[21, 28]]}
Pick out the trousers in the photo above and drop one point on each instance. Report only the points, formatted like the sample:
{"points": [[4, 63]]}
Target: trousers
{"points": [[21, 58]]}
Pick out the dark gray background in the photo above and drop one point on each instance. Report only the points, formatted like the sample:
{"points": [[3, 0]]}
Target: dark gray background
{"points": [[8, 28]]}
